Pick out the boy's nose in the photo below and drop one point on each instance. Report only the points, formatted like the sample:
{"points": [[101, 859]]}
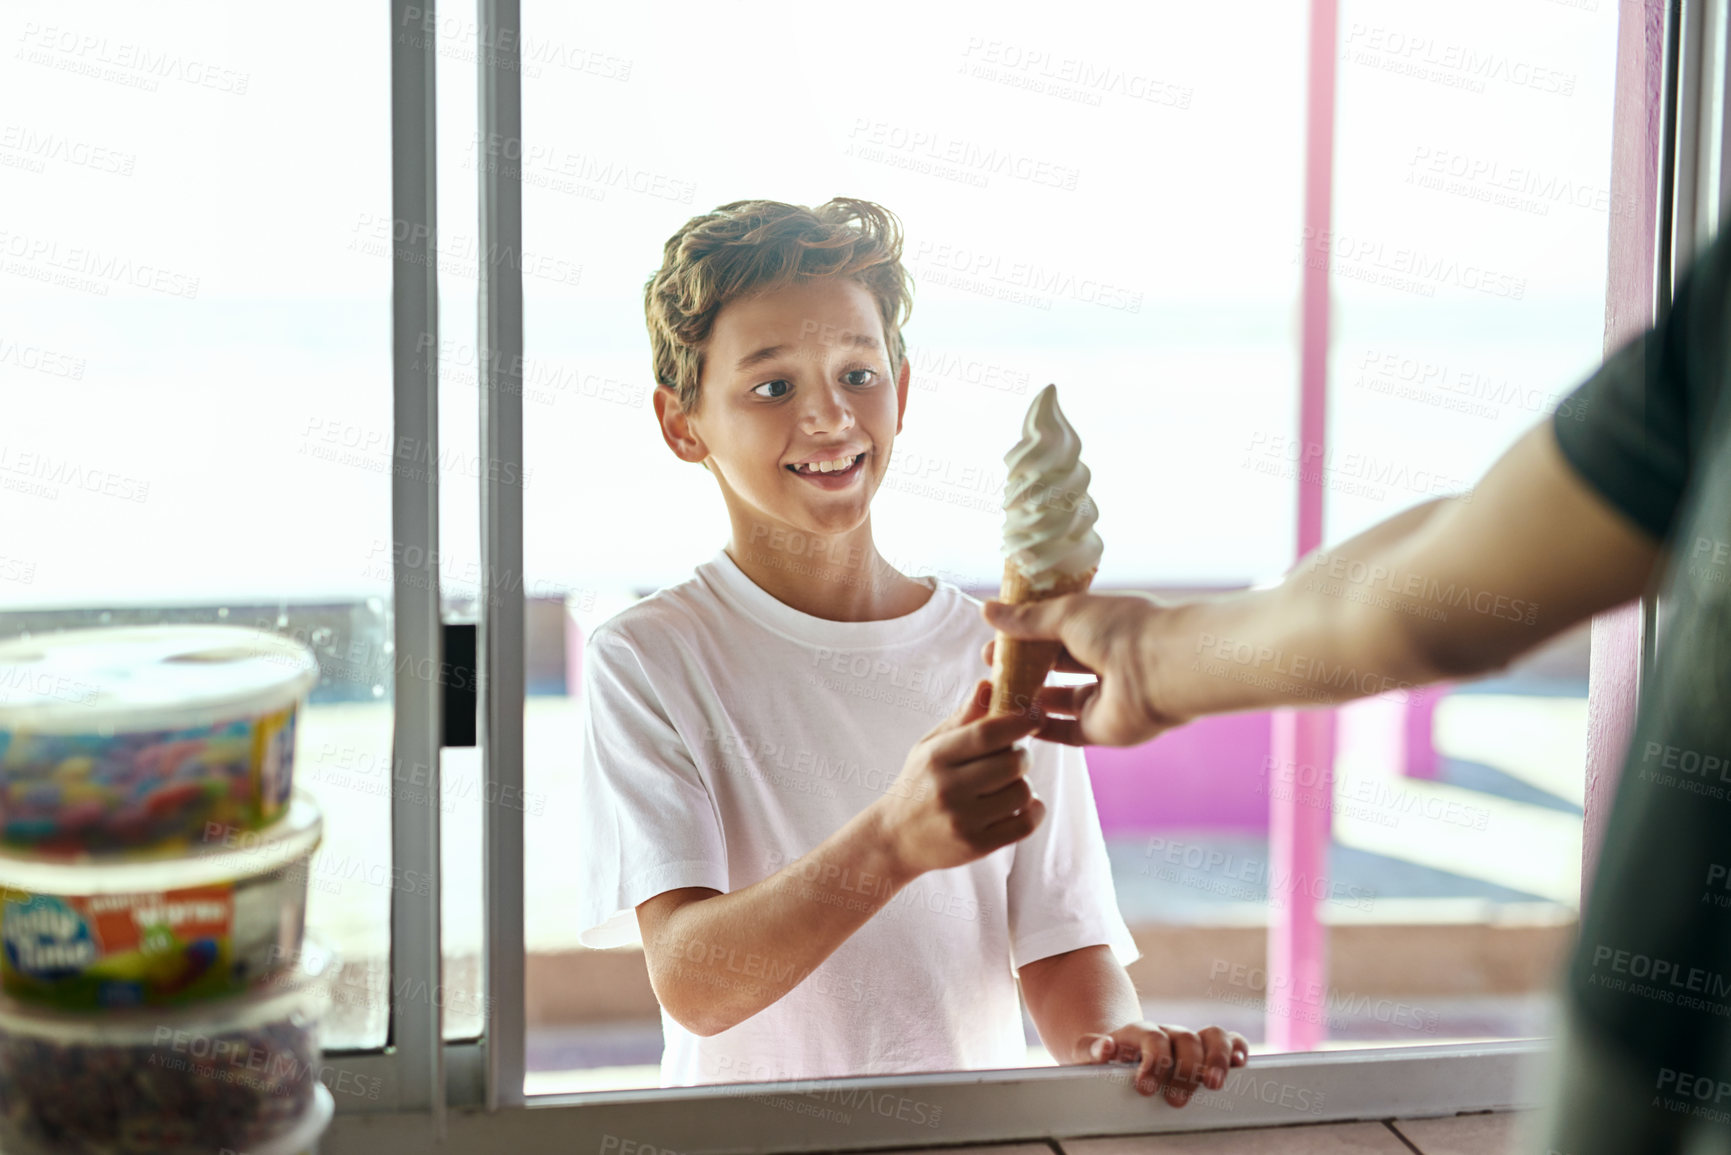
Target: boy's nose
{"points": [[827, 411]]}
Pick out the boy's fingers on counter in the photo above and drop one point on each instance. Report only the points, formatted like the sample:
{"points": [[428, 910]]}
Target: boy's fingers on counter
{"points": [[1153, 1065], [1217, 1050], [1187, 1064]]}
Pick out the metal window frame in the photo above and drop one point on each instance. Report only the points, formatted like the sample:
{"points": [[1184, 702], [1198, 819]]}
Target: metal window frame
{"points": [[503, 642], [469, 1095], [971, 1107], [1695, 182], [1700, 120], [411, 1070], [417, 1074]]}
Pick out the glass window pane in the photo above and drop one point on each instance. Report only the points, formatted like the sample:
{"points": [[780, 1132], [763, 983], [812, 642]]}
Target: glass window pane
{"points": [[196, 375], [1472, 210], [1107, 203]]}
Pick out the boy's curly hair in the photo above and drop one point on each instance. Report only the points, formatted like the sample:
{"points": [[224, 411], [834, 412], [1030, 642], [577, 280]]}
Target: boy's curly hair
{"points": [[750, 247]]}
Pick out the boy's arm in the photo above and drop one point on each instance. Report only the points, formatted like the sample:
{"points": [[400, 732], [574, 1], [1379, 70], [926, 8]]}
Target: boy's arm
{"points": [[717, 959], [1087, 1011], [1068, 936], [1078, 998]]}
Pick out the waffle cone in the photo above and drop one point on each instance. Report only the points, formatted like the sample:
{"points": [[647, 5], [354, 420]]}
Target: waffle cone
{"points": [[1020, 666]]}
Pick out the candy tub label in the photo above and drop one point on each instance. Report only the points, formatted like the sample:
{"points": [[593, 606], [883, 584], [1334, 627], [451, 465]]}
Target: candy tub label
{"points": [[119, 950]]}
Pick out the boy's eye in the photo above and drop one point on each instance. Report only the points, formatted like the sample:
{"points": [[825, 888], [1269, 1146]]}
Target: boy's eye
{"points": [[856, 372], [776, 389]]}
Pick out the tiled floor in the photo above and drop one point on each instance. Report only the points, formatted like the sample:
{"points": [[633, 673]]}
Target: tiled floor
{"points": [[1332, 1138], [1461, 1135], [1464, 1134]]}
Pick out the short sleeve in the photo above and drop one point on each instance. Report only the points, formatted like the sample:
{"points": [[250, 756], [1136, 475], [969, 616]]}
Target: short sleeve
{"points": [[1623, 432], [1061, 896], [646, 823], [1632, 431]]}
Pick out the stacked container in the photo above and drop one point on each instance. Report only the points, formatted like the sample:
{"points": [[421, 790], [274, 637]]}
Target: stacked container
{"points": [[156, 994]]}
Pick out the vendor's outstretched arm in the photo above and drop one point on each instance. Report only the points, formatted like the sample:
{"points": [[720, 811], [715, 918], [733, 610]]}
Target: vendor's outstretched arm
{"points": [[1456, 587]]}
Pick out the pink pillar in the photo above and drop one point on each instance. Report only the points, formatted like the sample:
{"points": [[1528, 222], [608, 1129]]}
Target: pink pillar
{"points": [[1298, 837], [1419, 759], [1615, 661], [1298, 820]]}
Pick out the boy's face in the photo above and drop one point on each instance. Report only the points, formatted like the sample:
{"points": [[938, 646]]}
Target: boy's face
{"points": [[793, 379]]}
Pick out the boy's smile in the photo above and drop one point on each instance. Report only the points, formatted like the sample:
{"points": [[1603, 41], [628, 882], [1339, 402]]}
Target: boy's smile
{"points": [[833, 472]]}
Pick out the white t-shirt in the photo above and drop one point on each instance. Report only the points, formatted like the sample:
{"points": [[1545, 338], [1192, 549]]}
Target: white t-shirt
{"points": [[727, 734]]}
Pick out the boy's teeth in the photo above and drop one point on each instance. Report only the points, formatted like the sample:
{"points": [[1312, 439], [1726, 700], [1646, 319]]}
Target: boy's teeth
{"points": [[835, 466]]}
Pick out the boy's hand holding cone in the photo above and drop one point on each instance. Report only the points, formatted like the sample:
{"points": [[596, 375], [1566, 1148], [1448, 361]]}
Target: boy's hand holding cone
{"points": [[1050, 547]]}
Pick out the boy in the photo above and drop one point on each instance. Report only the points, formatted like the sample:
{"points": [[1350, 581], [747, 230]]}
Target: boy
{"points": [[819, 889]]}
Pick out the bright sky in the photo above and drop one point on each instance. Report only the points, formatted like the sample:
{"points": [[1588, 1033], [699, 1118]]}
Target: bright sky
{"points": [[194, 345]]}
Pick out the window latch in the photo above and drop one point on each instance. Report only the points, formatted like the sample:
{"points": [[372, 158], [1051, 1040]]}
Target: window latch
{"points": [[460, 684]]}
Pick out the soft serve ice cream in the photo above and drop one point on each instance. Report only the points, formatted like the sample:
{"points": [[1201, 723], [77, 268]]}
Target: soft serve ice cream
{"points": [[1048, 515], [1050, 547]]}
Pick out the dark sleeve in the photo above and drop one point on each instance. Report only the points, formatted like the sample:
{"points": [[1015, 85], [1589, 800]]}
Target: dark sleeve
{"points": [[1632, 430]]}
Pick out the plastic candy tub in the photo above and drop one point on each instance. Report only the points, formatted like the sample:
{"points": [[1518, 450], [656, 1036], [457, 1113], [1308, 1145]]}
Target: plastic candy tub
{"points": [[303, 1138], [136, 737], [241, 1072], [120, 931]]}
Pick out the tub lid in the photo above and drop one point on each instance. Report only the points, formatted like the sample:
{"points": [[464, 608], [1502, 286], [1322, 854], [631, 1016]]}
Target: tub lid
{"points": [[226, 854], [129, 678]]}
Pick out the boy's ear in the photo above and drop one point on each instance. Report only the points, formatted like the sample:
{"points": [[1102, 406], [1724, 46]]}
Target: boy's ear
{"points": [[676, 427], [902, 393]]}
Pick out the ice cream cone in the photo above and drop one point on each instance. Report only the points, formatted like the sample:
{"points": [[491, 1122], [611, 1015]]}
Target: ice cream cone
{"points": [[1049, 533], [1020, 665]]}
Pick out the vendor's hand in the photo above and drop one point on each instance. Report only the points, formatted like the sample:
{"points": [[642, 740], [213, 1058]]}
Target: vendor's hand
{"points": [[963, 791], [1177, 1058], [1109, 636]]}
